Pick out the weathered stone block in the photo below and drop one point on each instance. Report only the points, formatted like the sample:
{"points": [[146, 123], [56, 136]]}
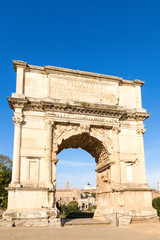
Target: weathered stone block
{"points": [[6, 223]]}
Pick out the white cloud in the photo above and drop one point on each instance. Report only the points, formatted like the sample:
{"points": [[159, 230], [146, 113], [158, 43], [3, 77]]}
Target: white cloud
{"points": [[76, 164]]}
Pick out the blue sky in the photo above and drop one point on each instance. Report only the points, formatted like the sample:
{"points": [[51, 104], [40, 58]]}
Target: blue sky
{"points": [[120, 38]]}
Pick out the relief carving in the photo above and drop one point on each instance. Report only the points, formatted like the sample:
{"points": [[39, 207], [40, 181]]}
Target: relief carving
{"points": [[84, 128], [103, 135], [62, 131], [106, 176]]}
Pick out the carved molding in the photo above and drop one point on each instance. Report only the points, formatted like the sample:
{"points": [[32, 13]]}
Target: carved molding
{"points": [[17, 102], [102, 166]]}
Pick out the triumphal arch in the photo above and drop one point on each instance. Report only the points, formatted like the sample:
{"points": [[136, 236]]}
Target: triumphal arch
{"points": [[57, 108]]}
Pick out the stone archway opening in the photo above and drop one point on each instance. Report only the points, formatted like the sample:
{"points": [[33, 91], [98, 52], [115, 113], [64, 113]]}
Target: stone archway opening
{"points": [[88, 143], [96, 149], [76, 181]]}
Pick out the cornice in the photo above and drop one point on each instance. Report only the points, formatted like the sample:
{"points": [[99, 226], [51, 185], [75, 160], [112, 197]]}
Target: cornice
{"points": [[78, 108], [17, 102], [19, 64], [66, 71]]}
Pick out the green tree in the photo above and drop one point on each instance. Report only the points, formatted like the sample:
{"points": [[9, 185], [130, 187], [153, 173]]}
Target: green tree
{"points": [[87, 194], [5, 177], [64, 209], [93, 195], [156, 204], [72, 206], [92, 208]]}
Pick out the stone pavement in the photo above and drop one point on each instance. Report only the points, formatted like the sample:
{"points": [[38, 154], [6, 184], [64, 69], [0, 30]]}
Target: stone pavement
{"points": [[78, 232]]}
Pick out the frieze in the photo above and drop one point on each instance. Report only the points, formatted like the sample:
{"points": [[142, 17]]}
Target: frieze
{"points": [[99, 110], [84, 117]]}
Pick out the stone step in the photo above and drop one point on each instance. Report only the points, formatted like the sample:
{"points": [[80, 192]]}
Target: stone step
{"points": [[82, 221]]}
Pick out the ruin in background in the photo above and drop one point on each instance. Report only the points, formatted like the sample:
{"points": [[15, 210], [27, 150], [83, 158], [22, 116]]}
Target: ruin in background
{"points": [[85, 197]]}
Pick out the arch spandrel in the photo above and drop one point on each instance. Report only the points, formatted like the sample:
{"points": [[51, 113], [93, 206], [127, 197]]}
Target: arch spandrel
{"points": [[64, 131]]}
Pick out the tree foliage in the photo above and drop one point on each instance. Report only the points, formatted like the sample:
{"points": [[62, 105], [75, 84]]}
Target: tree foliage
{"points": [[92, 208], [93, 195], [5, 177], [156, 204], [71, 207]]}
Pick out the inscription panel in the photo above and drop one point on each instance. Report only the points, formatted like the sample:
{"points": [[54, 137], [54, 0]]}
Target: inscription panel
{"points": [[84, 91]]}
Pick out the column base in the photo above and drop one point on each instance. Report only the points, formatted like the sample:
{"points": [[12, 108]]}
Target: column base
{"points": [[30, 206], [132, 204], [29, 218], [15, 185], [127, 216]]}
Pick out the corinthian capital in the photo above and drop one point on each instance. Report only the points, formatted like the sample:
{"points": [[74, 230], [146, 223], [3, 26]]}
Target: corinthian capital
{"points": [[49, 123], [141, 131], [17, 120], [116, 129]]}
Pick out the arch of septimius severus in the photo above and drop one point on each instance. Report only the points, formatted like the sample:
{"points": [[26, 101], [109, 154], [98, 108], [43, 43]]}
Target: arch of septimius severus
{"points": [[57, 108]]}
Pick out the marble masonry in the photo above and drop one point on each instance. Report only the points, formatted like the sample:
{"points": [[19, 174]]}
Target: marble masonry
{"points": [[57, 108]]}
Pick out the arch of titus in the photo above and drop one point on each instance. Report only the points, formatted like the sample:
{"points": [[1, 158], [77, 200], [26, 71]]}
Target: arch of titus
{"points": [[57, 108]]}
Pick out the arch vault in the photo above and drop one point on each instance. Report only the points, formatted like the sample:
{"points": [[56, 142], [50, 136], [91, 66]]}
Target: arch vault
{"points": [[57, 108]]}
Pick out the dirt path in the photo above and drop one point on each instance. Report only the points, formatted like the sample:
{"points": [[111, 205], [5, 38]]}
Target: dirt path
{"points": [[86, 232], [146, 228]]}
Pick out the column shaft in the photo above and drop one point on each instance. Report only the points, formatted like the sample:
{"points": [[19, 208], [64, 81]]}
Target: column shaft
{"points": [[48, 155], [16, 150], [48, 164], [142, 159], [54, 170], [117, 167]]}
